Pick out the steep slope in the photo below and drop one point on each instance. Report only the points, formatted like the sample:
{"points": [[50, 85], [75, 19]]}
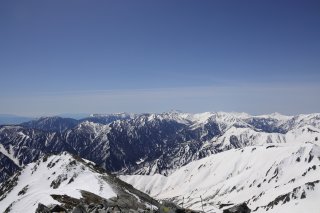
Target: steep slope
{"points": [[67, 181], [156, 143], [53, 124], [90, 141], [299, 121], [242, 137], [60, 124], [107, 118], [274, 178], [7, 167], [9, 164], [27, 145]]}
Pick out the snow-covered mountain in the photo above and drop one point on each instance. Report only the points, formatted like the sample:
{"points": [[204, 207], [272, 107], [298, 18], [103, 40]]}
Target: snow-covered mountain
{"points": [[269, 178], [7, 166], [54, 124], [153, 143], [265, 160], [69, 182], [107, 118]]}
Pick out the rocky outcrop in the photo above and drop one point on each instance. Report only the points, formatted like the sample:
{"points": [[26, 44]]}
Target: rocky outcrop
{"points": [[7, 167], [240, 208], [151, 143], [42, 209]]}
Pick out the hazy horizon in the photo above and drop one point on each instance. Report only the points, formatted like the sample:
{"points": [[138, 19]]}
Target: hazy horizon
{"points": [[77, 56], [88, 114]]}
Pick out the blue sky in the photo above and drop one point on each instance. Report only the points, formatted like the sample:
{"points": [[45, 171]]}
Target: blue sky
{"points": [[152, 56]]}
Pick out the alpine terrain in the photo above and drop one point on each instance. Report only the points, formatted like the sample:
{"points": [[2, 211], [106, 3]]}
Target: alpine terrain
{"points": [[206, 162], [67, 183]]}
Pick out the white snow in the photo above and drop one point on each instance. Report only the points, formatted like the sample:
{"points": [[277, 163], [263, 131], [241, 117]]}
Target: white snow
{"points": [[275, 115], [236, 176], [140, 161], [38, 178], [249, 137], [259, 172], [95, 128], [9, 154]]}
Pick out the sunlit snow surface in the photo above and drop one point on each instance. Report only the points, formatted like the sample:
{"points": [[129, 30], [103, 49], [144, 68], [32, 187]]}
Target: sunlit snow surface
{"points": [[265, 166], [256, 174], [9, 154], [39, 177]]}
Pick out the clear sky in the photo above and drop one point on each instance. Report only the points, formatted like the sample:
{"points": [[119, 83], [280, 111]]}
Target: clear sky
{"points": [[101, 56]]}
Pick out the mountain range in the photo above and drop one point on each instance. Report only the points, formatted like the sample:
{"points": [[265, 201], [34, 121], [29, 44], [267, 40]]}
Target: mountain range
{"points": [[152, 152], [56, 180], [274, 178]]}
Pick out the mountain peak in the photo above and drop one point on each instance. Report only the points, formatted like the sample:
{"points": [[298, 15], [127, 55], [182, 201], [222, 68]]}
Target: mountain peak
{"points": [[54, 176], [261, 176]]}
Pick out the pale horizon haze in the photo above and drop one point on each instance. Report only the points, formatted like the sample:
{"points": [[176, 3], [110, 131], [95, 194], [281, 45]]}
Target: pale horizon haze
{"points": [[77, 56]]}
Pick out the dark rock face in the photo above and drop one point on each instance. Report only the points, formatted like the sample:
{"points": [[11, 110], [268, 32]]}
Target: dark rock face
{"points": [[234, 141], [59, 124], [58, 208], [240, 208], [42, 209], [7, 167], [267, 125], [127, 144], [123, 204], [92, 203], [158, 142], [29, 144], [79, 209], [51, 124], [137, 145], [106, 119]]}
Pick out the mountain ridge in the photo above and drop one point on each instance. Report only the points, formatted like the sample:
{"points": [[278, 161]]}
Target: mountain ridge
{"points": [[269, 178], [152, 143], [163, 144], [55, 179]]}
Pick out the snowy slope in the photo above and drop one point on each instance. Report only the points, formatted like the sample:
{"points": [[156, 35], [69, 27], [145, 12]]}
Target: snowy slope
{"points": [[274, 178], [237, 137], [54, 123], [167, 143], [152, 143], [55, 175], [7, 167], [9, 153], [39, 179]]}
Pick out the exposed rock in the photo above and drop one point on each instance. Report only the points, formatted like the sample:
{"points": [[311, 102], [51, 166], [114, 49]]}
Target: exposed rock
{"points": [[240, 208], [123, 204], [7, 167], [24, 190], [58, 209], [145, 143], [42, 209], [79, 209]]}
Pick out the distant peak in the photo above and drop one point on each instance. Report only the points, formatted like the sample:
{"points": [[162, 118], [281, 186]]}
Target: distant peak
{"points": [[49, 117], [175, 111], [275, 115], [111, 114]]}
